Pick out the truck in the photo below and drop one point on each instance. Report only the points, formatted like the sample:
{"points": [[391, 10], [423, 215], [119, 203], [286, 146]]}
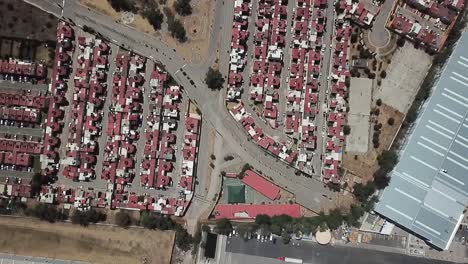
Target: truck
{"points": [[290, 260]]}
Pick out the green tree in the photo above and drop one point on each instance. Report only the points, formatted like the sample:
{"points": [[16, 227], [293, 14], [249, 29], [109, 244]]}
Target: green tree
{"points": [[214, 79], [387, 160], [263, 219], [285, 237], [223, 226], [183, 7], [363, 192], [183, 239], [177, 29], [45, 212], [155, 17], [346, 129]]}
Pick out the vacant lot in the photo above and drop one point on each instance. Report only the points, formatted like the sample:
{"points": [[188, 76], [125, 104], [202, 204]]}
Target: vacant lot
{"points": [[404, 76], [197, 25], [365, 165], [95, 244], [21, 20]]}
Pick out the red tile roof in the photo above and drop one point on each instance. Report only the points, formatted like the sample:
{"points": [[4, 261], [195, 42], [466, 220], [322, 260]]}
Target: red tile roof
{"points": [[243, 212]]}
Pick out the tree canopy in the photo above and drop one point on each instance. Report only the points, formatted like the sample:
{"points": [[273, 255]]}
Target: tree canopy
{"points": [[214, 79], [183, 7], [223, 226]]}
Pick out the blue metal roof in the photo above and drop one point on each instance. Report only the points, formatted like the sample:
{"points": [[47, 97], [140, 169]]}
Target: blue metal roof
{"points": [[428, 191]]}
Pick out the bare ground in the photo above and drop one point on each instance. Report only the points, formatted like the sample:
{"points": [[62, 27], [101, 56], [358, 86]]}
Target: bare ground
{"points": [[95, 244], [364, 166]]}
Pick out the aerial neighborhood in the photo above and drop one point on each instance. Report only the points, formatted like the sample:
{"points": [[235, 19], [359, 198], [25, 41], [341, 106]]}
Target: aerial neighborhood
{"points": [[244, 131]]}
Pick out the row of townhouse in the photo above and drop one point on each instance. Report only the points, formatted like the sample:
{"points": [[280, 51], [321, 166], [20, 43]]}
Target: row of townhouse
{"points": [[304, 72], [57, 100], [124, 119], [86, 110], [278, 149], [237, 57], [269, 43], [336, 104], [159, 154]]}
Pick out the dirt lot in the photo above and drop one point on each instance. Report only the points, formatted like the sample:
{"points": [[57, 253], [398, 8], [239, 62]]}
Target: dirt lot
{"points": [[95, 244], [365, 165], [197, 25], [21, 20]]}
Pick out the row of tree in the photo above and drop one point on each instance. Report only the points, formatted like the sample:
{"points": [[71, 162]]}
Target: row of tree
{"points": [[155, 17]]}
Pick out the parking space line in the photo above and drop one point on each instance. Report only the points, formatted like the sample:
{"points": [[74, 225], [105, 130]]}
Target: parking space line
{"points": [[450, 110], [459, 164], [458, 156], [423, 163], [433, 143], [460, 75], [461, 143], [459, 81], [465, 139], [455, 100], [456, 94], [407, 175], [400, 213], [447, 116], [429, 148], [463, 58], [463, 64], [441, 127], [438, 132], [443, 194], [407, 195], [436, 210], [428, 228]]}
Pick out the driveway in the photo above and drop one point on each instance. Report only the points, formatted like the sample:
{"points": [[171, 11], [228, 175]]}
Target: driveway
{"points": [[379, 35]]}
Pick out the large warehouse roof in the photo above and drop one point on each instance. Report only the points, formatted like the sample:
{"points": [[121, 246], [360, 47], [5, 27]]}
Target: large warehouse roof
{"points": [[428, 191]]}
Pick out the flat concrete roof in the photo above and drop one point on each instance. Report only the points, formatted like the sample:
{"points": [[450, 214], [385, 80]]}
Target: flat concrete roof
{"points": [[428, 191]]}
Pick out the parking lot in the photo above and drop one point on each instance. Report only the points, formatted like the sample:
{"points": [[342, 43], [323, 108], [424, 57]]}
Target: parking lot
{"points": [[316, 254]]}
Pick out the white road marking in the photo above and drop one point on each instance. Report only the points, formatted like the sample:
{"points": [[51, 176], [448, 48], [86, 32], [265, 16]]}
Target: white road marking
{"points": [[398, 212], [436, 210], [460, 75], [423, 163], [441, 127], [459, 81], [414, 179], [463, 64], [433, 143], [428, 228], [447, 116], [450, 110], [461, 143], [443, 194], [463, 58], [408, 195], [465, 139], [438, 132], [456, 94], [429, 148], [455, 100]]}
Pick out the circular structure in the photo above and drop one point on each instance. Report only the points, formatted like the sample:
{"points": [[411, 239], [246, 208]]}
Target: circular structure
{"points": [[323, 238], [127, 18]]}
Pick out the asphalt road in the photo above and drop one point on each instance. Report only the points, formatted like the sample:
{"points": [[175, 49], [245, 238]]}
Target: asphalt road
{"points": [[15, 259], [316, 254], [379, 36], [309, 192]]}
